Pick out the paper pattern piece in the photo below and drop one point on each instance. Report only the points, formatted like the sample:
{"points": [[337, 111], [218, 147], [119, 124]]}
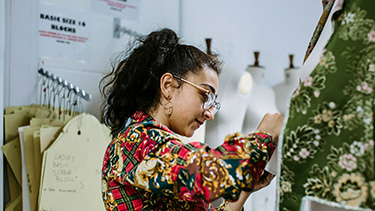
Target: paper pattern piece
{"points": [[25, 185], [12, 152], [32, 174], [15, 205], [71, 170]]}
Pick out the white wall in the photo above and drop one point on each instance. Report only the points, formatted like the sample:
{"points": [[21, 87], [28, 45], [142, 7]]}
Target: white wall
{"points": [[24, 47], [19, 89], [2, 65], [238, 28]]}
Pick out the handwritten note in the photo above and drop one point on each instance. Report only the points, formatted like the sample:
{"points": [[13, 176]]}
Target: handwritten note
{"points": [[71, 167]]}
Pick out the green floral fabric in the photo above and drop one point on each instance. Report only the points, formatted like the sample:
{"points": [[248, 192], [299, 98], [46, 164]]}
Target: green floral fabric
{"points": [[328, 140]]}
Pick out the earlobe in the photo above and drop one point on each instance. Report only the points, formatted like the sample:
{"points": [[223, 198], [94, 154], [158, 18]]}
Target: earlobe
{"points": [[168, 108], [166, 87]]}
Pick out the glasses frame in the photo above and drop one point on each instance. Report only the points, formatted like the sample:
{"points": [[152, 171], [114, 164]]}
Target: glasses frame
{"points": [[216, 105]]}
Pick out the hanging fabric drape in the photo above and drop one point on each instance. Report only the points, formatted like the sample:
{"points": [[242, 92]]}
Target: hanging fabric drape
{"points": [[328, 141]]}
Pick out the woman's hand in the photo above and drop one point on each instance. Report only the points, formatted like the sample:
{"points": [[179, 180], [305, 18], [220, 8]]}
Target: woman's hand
{"points": [[272, 123], [263, 181]]}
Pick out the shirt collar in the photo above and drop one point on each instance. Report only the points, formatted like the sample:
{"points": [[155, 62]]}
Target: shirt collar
{"points": [[140, 116]]}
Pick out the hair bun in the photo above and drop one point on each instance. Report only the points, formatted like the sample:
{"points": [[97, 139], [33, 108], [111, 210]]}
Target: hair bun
{"points": [[165, 39]]}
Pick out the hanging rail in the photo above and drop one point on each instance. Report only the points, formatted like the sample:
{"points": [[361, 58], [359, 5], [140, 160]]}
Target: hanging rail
{"points": [[79, 92], [119, 30]]}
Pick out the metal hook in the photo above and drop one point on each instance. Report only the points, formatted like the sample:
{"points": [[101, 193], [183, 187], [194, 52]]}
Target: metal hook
{"points": [[43, 79], [52, 93], [69, 102], [75, 102], [56, 97], [74, 105], [118, 30], [55, 91], [47, 89], [80, 111], [62, 107]]}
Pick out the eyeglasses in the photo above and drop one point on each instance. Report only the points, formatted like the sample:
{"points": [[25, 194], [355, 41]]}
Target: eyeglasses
{"points": [[210, 98]]}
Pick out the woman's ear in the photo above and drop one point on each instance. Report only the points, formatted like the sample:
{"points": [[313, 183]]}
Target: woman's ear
{"points": [[166, 85]]}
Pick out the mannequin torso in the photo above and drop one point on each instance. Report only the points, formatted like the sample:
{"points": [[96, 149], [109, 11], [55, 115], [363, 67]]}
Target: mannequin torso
{"points": [[233, 95], [284, 90], [262, 101]]}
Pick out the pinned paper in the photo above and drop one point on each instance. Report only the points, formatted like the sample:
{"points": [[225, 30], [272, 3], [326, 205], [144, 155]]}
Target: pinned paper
{"points": [[71, 170], [12, 152], [25, 185]]}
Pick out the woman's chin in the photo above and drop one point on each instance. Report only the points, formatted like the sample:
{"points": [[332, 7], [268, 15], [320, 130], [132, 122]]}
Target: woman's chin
{"points": [[189, 134]]}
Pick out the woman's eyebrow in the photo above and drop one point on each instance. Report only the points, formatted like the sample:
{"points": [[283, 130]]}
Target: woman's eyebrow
{"points": [[209, 86]]}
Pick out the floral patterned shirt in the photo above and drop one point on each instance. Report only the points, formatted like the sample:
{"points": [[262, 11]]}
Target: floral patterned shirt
{"points": [[147, 167]]}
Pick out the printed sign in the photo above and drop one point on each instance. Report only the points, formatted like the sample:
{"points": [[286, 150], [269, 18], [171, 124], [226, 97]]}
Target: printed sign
{"points": [[127, 9], [63, 33]]}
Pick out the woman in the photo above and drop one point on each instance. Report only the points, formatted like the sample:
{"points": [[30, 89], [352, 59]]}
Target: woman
{"points": [[162, 89]]}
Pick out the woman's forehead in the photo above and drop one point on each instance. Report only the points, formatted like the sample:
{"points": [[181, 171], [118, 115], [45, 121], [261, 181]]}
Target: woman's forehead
{"points": [[207, 77]]}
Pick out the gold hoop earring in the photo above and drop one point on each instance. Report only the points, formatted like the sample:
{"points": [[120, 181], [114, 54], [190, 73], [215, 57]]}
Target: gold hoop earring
{"points": [[168, 107]]}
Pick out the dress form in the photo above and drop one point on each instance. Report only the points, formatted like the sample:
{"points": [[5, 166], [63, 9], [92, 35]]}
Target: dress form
{"points": [[284, 90], [262, 101], [262, 98], [233, 94]]}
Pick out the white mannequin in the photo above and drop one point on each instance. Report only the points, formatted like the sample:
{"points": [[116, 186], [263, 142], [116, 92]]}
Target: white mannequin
{"points": [[284, 90], [262, 98], [262, 101], [233, 94]]}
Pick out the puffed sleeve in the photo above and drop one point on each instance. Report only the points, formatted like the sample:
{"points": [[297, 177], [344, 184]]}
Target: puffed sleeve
{"points": [[194, 171]]}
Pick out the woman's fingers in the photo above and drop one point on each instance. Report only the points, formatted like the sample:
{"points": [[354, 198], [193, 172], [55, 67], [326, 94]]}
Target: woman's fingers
{"points": [[272, 124], [263, 181]]}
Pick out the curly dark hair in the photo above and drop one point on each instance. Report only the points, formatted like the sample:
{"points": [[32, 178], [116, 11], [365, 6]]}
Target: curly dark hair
{"points": [[134, 82]]}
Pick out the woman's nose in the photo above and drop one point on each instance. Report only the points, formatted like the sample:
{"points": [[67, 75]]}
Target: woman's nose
{"points": [[209, 114]]}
